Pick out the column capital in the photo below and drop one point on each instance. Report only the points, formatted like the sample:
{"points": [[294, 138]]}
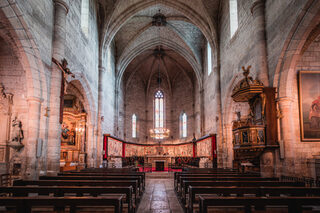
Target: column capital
{"points": [[62, 3], [102, 69], [35, 99], [285, 99], [257, 4]]}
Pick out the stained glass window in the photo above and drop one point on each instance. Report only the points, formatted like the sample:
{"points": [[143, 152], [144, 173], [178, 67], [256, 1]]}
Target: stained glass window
{"points": [[159, 110], [184, 125], [134, 126], [209, 56]]}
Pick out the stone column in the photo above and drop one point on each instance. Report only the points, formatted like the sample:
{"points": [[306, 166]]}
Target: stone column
{"points": [[59, 38], [228, 145], [102, 72], [31, 164], [90, 147], [258, 13], [202, 123], [286, 125]]}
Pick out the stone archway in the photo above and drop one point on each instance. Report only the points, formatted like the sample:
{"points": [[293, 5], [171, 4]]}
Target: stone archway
{"points": [[18, 34], [80, 88], [285, 80]]}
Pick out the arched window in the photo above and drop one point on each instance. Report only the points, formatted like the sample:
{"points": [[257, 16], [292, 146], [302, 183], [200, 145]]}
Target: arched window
{"points": [[134, 126], [85, 17], [233, 8], [159, 110], [183, 125], [209, 58]]}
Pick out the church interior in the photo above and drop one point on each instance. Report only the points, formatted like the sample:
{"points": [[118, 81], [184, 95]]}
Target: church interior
{"points": [[159, 106]]}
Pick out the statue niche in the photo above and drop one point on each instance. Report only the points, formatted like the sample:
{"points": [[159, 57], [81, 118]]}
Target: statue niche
{"points": [[256, 133]]}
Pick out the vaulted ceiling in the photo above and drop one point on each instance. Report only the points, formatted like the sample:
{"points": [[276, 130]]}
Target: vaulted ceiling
{"points": [[180, 37]]}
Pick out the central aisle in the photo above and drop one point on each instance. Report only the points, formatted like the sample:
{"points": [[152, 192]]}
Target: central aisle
{"points": [[159, 197]]}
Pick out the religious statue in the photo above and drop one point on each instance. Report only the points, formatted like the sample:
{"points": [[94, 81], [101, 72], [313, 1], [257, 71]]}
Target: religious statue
{"points": [[16, 134]]}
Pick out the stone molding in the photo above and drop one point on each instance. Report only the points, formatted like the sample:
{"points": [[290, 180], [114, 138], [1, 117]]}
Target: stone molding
{"points": [[63, 4], [256, 5]]}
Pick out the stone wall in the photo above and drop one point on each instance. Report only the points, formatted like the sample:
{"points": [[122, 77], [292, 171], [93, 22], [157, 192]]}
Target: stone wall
{"points": [[13, 78]]}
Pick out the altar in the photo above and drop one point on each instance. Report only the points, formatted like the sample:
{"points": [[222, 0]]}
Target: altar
{"points": [[159, 158]]}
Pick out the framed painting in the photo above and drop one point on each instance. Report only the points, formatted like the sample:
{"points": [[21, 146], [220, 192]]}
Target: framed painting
{"points": [[309, 99]]}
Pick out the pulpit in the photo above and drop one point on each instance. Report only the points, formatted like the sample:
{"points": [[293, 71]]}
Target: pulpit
{"points": [[256, 134]]}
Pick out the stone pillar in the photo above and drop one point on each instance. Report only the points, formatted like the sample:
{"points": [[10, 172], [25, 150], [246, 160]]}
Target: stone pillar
{"points": [[59, 38], [90, 146], [202, 123], [34, 111], [287, 135], [267, 162], [228, 150], [286, 125], [102, 72], [258, 13]]}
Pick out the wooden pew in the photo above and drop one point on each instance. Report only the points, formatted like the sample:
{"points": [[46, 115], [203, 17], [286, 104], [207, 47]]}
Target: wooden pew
{"points": [[25, 204], [242, 191], [76, 177], [216, 176], [126, 183], [140, 174], [294, 204], [79, 191], [213, 173], [184, 179], [186, 184]]}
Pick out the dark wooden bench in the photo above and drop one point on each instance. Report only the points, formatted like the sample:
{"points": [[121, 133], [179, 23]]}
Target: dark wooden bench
{"points": [[76, 177], [25, 204], [183, 180], [140, 174], [126, 183], [204, 172], [215, 178], [242, 191], [179, 176], [294, 204], [186, 184], [62, 191]]}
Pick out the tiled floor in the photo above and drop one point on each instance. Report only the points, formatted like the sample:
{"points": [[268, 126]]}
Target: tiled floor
{"points": [[159, 197]]}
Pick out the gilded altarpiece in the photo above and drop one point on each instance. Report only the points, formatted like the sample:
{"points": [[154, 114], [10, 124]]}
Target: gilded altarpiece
{"points": [[5, 124], [73, 138]]}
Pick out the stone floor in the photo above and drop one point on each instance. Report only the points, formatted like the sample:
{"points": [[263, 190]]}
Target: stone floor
{"points": [[159, 197]]}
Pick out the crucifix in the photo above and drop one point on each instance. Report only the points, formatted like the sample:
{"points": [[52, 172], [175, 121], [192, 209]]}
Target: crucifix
{"points": [[65, 72]]}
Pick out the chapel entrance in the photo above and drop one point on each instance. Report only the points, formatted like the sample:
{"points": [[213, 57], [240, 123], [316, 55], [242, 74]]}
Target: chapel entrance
{"points": [[73, 135]]}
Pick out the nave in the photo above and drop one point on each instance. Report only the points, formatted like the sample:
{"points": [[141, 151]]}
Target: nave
{"points": [[159, 196]]}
